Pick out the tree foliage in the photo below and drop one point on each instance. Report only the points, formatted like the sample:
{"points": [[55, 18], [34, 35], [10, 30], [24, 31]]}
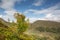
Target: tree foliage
{"points": [[22, 24], [15, 31]]}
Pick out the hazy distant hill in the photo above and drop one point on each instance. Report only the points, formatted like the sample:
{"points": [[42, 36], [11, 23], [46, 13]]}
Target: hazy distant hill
{"points": [[40, 24], [45, 26], [3, 23], [48, 30]]}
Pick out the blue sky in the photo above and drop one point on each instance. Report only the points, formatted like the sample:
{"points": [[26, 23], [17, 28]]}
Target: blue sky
{"points": [[32, 9]]}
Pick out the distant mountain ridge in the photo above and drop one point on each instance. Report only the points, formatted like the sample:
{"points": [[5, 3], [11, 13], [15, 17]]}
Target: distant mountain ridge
{"points": [[46, 23], [3, 23], [49, 26]]}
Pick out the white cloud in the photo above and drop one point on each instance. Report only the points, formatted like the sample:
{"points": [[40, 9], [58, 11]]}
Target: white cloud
{"points": [[52, 17], [11, 12], [52, 13], [8, 6], [33, 19], [49, 17], [53, 9], [11, 18], [9, 15], [0, 16], [38, 2]]}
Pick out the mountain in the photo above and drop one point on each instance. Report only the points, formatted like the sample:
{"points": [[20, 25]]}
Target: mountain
{"points": [[3, 23], [45, 30], [42, 25], [45, 23]]}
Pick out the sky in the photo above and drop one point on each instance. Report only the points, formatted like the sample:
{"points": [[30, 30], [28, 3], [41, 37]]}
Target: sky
{"points": [[32, 9]]}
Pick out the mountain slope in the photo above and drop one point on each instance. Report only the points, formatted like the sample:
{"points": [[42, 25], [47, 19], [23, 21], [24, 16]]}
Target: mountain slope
{"points": [[44, 24], [45, 30], [3, 23]]}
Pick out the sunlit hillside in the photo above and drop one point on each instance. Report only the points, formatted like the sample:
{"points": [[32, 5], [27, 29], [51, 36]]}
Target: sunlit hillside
{"points": [[46, 30]]}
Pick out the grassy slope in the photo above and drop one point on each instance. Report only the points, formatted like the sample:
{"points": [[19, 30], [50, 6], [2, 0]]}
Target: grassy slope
{"points": [[3, 23], [48, 30], [44, 25]]}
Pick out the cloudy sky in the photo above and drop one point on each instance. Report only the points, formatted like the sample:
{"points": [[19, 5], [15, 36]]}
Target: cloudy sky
{"points": [[32, 9]]}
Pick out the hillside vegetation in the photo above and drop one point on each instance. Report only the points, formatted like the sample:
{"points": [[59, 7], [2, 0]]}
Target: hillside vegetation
{"points": [[49, 30], [47, 26]]}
